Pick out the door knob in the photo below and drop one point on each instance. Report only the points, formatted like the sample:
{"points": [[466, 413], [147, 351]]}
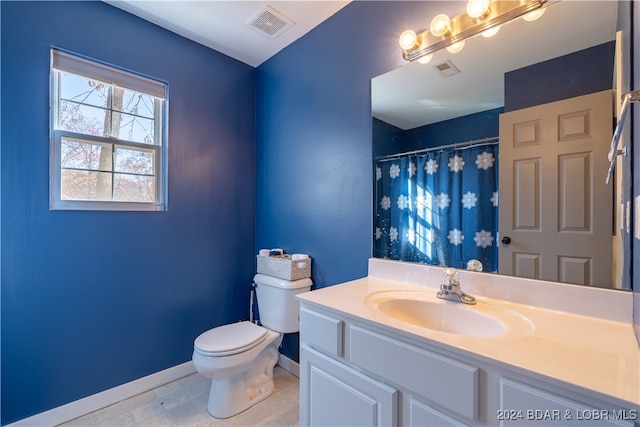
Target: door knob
{"points": [[506, 240]]}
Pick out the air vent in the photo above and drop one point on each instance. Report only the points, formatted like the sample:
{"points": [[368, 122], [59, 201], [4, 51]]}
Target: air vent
{"points": [[269, 22], [446, 69]]}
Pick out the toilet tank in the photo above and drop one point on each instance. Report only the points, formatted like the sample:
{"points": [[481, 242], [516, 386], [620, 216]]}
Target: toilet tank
{"points": [[277, 303]]}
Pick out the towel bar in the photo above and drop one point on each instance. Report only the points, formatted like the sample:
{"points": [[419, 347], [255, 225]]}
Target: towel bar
{"points": [[627, 98]]}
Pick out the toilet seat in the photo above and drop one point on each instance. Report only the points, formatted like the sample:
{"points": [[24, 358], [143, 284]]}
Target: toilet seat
{"points": [[230, 339]]}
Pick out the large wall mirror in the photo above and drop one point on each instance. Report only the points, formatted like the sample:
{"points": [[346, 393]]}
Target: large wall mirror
{"points": [[451, 189]]}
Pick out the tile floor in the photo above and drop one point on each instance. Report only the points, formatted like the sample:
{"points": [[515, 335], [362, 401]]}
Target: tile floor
{"points": [[184, 403]]}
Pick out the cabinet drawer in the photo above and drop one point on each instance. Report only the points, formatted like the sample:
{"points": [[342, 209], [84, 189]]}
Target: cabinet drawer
{"points": [[522, 404], [436, 378], [322, 332]]}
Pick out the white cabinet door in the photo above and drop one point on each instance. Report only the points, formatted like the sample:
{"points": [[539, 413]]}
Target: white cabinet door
{"points": [[525, 405], [333, 394], [423, 415]]}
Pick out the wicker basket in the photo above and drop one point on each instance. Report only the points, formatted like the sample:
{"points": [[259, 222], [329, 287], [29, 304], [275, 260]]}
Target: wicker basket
{"points": [[284, 267]]}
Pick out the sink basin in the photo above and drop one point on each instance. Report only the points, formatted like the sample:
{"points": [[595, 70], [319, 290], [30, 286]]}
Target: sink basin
{"points": [[423, 309]]}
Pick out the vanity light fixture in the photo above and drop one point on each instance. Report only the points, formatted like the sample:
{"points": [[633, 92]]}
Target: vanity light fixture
{"points": [[440, 26], [533, 16], [477, 8], [481, 16], [425, 59], [456, 47], [490, 32], [409, 40]]}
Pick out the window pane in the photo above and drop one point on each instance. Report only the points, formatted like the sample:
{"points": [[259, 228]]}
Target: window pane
{"points": [[107, 138], [133, 188], [136, 103], [134, 161], [85, 185], [76, 154], [82, 118], [132, 128], [84, 91]]}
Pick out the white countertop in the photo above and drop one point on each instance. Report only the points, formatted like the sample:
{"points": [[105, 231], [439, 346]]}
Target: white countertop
{"points": [[592, 354]]}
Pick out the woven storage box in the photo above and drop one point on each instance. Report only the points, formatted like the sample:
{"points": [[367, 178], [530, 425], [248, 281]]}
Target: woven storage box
{"points": [[284, 267]]}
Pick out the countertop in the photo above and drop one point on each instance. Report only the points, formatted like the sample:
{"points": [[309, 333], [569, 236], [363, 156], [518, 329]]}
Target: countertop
{"points": [[584, 353]]}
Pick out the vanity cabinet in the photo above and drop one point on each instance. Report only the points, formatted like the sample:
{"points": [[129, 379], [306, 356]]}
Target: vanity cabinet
{"points": [[356, 373], [523, 404], [337, 395]]}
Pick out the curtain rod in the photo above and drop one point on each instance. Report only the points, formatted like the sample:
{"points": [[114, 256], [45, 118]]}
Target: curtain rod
{"points": [[467, 144]]}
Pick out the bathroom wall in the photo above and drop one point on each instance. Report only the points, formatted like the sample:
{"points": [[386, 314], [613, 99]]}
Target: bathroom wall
{"points": [[116, 296], [579, 73], [387, 138], [460, 129], [91, 300], [314, 150]]}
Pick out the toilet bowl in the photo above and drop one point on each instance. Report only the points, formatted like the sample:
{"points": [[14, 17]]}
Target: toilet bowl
{"points": [[240, 357]]}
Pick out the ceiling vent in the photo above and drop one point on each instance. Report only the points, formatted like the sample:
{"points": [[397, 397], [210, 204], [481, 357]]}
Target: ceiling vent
{"points": [[269, 22], [446, 69]]}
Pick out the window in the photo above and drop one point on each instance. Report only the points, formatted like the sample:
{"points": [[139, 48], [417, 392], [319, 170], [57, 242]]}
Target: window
{"points": [[108, 144]]}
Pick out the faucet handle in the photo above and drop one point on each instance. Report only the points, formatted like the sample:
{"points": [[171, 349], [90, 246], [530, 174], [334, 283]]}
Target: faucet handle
{"points": [[451, 274], [451, 290]]}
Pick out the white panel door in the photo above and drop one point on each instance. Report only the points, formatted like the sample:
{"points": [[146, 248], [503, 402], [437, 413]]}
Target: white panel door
{"points": [[555, 211]]}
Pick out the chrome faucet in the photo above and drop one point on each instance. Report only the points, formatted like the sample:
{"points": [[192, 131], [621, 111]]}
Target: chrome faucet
{"points": [[451, 290]]}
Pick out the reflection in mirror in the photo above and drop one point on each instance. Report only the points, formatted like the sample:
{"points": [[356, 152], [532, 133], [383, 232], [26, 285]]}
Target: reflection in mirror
{"points": [[440, 131]]}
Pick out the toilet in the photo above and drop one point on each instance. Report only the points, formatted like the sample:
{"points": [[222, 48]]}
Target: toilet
{"points": [[240, 357]]}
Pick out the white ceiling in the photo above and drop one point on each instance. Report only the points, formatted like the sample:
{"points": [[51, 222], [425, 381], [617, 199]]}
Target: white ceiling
{"points": [[415, 94], [220, 25]]}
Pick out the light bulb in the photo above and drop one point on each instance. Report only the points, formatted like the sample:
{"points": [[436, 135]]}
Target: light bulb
{"points": [[477, 8], [408, 40], [456, 47], [532, 16], [440, 25], [425, 59], [491, 32]]}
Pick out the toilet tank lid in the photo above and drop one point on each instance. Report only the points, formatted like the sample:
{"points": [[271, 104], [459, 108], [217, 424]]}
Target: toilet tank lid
{"points": [[263, 279]]}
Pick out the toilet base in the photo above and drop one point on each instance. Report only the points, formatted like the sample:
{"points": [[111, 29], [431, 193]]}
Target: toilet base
{"points": [[231, 395]]}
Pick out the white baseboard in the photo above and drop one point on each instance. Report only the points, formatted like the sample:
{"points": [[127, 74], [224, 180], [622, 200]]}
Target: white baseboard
{"points": [[289, 365], [83, 406]]}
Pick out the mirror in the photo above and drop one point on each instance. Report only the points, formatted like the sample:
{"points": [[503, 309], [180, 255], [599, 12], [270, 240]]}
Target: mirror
{"points": [[445, 108]]}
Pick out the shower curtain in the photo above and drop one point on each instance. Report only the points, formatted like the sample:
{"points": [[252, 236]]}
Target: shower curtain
{"points": [[438, 207]]}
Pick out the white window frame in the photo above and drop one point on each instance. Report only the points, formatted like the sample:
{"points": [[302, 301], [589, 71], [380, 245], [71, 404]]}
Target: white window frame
{"points": [[62, 61]]}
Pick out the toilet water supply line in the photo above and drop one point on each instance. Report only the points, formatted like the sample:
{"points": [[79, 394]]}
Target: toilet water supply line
{"points": [[251, 303], [627, 98]]}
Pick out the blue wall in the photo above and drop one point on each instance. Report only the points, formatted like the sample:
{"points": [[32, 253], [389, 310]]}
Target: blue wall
{"points": [[314, 150], [580, 73], [387, 138], [133, 316], [583, 72], [314, 138], [484, 124], [91, 300]]}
